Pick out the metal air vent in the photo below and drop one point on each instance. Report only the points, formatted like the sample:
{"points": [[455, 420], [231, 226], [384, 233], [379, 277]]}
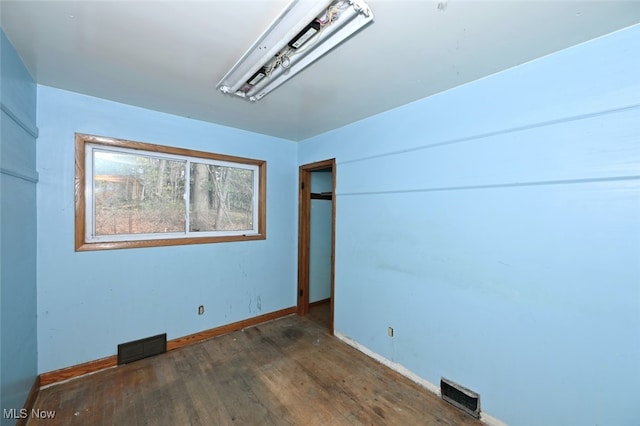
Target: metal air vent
{"points": [[461, 397], [143, 348]]}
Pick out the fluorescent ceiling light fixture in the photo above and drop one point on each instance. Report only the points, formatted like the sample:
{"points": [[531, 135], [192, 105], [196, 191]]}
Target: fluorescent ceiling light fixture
{"points": [[303, 32]]}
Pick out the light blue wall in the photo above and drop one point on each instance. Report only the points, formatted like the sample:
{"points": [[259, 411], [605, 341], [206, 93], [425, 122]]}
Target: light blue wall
{"points": [[496, 227], [89, 302], [18, 177], [320, 239]]}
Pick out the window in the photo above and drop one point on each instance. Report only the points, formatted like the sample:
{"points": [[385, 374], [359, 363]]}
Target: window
{"points": [[134, 194]]}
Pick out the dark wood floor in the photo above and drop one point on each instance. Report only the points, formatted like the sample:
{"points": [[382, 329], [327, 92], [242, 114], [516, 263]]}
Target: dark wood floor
{"points": [[286, 372], [321, 314]]}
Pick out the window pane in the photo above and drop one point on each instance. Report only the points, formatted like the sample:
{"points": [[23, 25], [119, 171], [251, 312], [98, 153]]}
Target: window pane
{"points": [[137, 194], [221, 198], [133, 194]]}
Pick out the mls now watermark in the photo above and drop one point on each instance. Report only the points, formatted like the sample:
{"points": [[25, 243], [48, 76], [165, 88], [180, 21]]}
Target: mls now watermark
{"points": [[23, 413]]}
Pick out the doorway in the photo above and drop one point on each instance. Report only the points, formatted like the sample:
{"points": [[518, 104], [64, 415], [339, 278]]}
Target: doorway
{"points": [[316, 237]]}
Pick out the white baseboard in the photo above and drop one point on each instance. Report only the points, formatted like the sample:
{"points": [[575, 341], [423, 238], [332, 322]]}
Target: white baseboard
{"points": [[484, 417]]}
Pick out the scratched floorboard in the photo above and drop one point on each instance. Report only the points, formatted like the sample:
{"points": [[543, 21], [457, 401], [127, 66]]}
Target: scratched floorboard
{"points": [[285, 372]]}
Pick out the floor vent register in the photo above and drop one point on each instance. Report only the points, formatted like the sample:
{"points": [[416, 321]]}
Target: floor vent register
{"points": [[461, 397], [143, 348]]}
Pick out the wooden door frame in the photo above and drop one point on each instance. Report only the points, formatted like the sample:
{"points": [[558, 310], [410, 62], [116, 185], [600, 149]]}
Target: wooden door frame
{"points": [[304, 236]]}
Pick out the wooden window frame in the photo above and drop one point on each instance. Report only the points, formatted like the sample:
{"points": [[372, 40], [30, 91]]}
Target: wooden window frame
{"points": [[81, 140]]}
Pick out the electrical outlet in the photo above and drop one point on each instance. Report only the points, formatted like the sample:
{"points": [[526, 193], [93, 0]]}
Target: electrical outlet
{"points": [[390, 331], [200, 309]]}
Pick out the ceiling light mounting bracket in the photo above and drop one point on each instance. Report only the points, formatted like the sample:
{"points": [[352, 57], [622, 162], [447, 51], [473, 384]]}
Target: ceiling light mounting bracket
{"points": [[302, 33]]}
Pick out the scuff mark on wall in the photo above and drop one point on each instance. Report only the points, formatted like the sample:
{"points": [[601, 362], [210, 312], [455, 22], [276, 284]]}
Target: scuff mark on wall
{"points": [[255, 301]]}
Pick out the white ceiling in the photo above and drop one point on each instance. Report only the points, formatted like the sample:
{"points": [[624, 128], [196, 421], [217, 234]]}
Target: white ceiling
{"points": [[169, 55]]}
